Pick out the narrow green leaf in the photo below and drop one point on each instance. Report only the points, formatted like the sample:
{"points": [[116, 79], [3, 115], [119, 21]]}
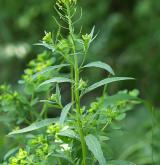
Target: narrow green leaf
{"points": [[62, 156], [111, 100], [58, 95], [56, 80], [120, 162], [69, 133], [95, 147], [47, 101], [35, 126], [103, 138], [48, 46], [92, 32], [105, 81], [50, 68], [10, 152], [101, 65], [120, 116], [64, 113]]}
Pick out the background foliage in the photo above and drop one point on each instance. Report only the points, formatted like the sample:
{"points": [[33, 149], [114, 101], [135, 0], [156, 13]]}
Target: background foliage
{"points": [[128, 39]]}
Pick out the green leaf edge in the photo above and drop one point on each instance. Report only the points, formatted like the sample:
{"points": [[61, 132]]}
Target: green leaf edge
{"points": [[102, 65], [35, 126]]}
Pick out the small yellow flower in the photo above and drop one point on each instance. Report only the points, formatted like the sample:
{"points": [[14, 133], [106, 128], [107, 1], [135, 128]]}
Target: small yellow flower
{"points": [[23, 162], [51, 129], [21, 154], [86, 37], [57, 128], [13, 161]]}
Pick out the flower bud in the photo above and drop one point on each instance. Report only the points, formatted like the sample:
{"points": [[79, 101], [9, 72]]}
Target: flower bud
{"points": [[82, 84], [51, 129], [48, 38]]}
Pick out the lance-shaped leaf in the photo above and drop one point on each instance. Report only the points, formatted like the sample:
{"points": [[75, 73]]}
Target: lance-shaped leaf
{"points": [[56, 80], [95, 147], [102, 65], [92, 32], [58, 95], [105, 81], [111, 100], [35, 126], [47, 101], [50, 68], [48, 46], [10, 152], [62, 156], [69, 133], [64, 113]]}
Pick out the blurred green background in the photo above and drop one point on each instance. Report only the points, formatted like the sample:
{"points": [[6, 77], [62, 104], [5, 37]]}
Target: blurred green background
{"points": [[128, 40]]}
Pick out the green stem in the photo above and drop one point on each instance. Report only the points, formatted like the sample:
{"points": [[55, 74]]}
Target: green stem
{"points": [[72, 87], [78, 114], [105, 126], [43, 110], [105, 88], [59, 162], [75, 90], [31, 111]]}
